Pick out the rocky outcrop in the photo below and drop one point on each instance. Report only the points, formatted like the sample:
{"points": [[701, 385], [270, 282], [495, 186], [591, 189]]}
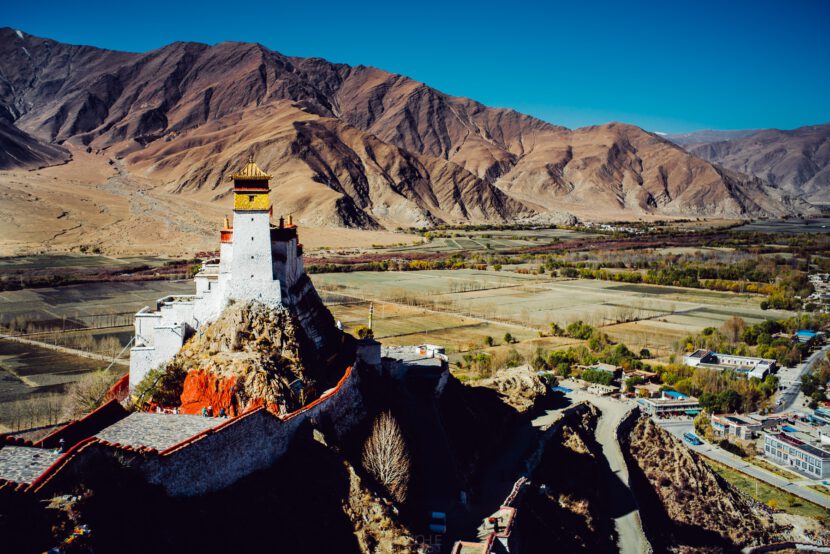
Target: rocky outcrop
{"points": [[573, 512], [519, 387], [251, 355], [685, 504], [351, 146]]}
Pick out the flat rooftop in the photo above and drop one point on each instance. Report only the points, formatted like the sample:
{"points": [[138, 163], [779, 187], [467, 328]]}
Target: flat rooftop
{"points": [[737, 421], [159, 431], [23, 464], [409, 354], [671, 401], [792, 440]]}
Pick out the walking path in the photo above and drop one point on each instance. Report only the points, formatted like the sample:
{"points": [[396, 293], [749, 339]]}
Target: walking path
{"points": [[632, 538]]}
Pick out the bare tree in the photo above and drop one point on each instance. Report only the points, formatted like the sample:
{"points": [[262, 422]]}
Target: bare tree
{"points": [[386, 458], [733, 327], [87, 394]]}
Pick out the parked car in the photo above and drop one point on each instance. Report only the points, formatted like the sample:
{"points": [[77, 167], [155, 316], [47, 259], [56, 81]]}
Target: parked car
{"points": [[691, 438]]}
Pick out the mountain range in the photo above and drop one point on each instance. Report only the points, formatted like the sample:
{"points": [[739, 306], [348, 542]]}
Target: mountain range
{"points": [[349, 146], [797, 161]]}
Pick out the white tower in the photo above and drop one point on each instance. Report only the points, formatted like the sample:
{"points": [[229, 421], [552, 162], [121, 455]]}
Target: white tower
{"points": [[252, 265]]}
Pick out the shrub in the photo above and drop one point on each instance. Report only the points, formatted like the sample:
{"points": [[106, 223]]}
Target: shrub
{"points": [[86, 394], [161, 386]]}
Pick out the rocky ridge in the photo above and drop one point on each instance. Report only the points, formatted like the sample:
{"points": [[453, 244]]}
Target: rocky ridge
{"points": [[351, 146], [703, 510], [250, 355], [796, 161]]}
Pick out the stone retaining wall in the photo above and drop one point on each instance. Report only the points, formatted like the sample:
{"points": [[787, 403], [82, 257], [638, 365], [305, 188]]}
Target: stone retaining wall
{"points": [[218, 457]]}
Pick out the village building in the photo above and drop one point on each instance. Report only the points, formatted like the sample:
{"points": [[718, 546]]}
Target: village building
{"points": [[648, 390], [747, 366], [800, 448], [725, 425], [670, 403], [646, 376]]}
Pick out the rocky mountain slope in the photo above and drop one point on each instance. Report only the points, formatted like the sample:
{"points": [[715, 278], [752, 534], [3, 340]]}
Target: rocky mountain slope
{"points": [[685, 505], [349, 146], [709, 135], [796, 161]]}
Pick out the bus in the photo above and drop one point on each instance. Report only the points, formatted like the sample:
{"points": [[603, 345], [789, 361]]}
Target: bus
{"points": [[691, 438]]}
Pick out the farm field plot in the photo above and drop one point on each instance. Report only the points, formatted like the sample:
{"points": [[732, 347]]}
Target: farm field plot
{"points": [[492, 240], [664, 313], [33, 380], [67, 261], [403, 325], [77, 305]]}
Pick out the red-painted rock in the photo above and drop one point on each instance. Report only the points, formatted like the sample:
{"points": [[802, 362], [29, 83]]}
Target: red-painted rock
{"points": [[203, 389]]}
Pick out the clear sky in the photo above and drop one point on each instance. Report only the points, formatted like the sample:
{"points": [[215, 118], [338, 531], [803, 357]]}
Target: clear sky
{"points": [[670, 65]]}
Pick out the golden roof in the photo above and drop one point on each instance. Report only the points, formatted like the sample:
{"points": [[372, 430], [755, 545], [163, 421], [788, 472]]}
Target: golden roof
{"points": [[251, 172]]}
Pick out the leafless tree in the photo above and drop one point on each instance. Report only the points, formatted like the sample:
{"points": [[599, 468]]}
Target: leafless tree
{"points": [[733, 327], [87, 394], [386, 458]]}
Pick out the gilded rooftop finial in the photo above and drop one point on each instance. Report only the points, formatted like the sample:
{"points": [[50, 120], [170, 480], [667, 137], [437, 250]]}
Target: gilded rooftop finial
{"points": [[251, 172]]}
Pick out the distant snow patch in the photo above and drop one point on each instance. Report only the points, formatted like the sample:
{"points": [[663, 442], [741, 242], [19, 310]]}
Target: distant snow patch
{"points": [[661, 133], [19, 34]]}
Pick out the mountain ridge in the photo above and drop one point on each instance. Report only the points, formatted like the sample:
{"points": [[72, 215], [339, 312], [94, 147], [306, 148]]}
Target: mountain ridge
{"points": [[796, 160], [356, 146]]}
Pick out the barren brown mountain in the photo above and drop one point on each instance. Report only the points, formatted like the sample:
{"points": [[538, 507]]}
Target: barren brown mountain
{"points": [[349, 146], [797, 161]]}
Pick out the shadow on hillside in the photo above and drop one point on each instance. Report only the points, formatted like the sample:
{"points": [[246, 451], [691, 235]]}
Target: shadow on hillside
{"points": [[581, 497]]}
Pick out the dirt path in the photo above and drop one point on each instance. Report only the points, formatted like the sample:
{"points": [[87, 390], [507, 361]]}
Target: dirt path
{"points": [[632, 539]]}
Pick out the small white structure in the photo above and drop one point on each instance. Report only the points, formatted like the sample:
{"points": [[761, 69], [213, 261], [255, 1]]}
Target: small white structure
{"points": [[257, 261], [748, 366]]}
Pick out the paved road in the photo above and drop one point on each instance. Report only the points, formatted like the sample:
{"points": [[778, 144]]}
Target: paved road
{"points": [[791, 395], [632, 539], [677, 428]]}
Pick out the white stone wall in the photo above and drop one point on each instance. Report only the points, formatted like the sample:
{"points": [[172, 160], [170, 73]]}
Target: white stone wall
{"points": [[141, 362]]}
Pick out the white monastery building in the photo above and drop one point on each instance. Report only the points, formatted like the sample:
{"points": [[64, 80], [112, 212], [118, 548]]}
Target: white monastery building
{"points": [[257, 261]]}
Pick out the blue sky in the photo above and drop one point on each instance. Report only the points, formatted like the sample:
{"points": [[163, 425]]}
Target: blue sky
{"points": [[671, 66]]}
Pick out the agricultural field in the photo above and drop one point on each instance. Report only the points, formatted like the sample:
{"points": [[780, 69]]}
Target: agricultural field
{"points": [[93, 317], [84, 305], [788, 226], [641, 315], [470, 240], [32, 383], [74, 261]]}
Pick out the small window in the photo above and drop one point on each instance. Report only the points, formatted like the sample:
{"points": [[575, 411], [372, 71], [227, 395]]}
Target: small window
{"points": [[250, 198], [252, 238], [252, 257]]}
